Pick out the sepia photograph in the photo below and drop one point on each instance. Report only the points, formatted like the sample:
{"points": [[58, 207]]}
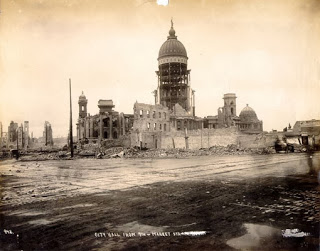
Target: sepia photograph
{"points": [[159, 125]]}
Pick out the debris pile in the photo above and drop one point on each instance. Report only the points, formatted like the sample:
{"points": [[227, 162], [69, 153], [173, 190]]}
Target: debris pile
{"points": [[182, 153], [105, 152]]}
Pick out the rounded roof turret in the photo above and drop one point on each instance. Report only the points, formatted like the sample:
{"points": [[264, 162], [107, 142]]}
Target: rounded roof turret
{"points": [[172, 47], [82, 98], [248, 115]]}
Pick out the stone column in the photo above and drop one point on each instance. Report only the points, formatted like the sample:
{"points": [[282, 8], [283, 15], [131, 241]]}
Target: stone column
{"points": [[101, 127], [78, 131], [110, 127], [119, 125], [123, 124], [194, 104]]}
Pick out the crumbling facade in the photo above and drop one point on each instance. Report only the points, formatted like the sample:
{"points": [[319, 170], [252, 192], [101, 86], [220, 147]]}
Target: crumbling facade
{"points": [[12, 132], [247, 121], [47, 134], [108, 124], [150, 121]]}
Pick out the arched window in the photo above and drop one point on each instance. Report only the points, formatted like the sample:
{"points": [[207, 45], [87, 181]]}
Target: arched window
{"points": [[141, 113], [231, 110], [159, 115], [154, 114], [165, 115], [148, 114], [154, 126]]}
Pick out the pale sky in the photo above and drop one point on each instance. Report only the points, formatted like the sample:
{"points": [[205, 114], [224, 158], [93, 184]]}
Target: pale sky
{"points": [[265, 51]]}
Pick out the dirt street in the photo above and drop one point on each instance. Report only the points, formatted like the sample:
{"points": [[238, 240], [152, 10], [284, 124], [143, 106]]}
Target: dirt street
{"points": [[258, 202]]}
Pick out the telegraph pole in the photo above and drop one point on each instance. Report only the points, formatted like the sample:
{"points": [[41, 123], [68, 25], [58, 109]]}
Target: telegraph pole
{"points": [[70, 132]]}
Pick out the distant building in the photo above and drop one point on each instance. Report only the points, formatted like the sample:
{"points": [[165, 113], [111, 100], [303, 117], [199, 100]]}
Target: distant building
{"points": [[20, 136], [26, 134], [107, 124], [12, 132], [3, 137], [247, 121], [4, 140], [47, 134]]}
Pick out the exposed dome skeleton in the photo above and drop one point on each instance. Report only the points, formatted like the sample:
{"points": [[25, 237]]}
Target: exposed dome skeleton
{"points": [[174, 76]]}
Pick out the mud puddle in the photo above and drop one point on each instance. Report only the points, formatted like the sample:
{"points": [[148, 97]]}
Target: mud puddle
{"points": [[255, 237]]}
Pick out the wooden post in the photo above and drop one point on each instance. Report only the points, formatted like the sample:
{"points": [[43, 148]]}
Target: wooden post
{"points": [[71, 135], [173, 143], [186, 137]]}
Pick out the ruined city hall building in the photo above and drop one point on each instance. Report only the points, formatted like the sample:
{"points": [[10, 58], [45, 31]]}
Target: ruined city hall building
{"points": [[174, 109]]}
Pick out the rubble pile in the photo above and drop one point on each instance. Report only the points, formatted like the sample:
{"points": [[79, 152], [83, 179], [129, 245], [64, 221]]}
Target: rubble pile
{"points": [[109, 143], [181, 153], [45, 156], [87, 150], [105, 152]]}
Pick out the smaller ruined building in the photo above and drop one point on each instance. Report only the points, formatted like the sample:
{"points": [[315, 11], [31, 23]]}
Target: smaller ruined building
{"points": [[308, 132], [247, 121], [107, 124], [151, 122]]}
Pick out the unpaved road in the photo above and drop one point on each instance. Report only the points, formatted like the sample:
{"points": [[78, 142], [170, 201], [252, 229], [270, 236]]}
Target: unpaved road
{"points": [[142, 204]]}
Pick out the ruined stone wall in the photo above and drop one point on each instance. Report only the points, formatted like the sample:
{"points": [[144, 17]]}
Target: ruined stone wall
{"points": [[257, 140], [200, 138], [148, 139], [204, 138], [122, 141]]}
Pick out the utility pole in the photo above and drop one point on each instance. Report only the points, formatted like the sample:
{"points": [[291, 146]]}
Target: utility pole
{"points": [[70, 133]]}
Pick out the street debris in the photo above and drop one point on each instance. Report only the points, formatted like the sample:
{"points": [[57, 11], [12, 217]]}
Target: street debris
{"points": [[294, 233]]}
